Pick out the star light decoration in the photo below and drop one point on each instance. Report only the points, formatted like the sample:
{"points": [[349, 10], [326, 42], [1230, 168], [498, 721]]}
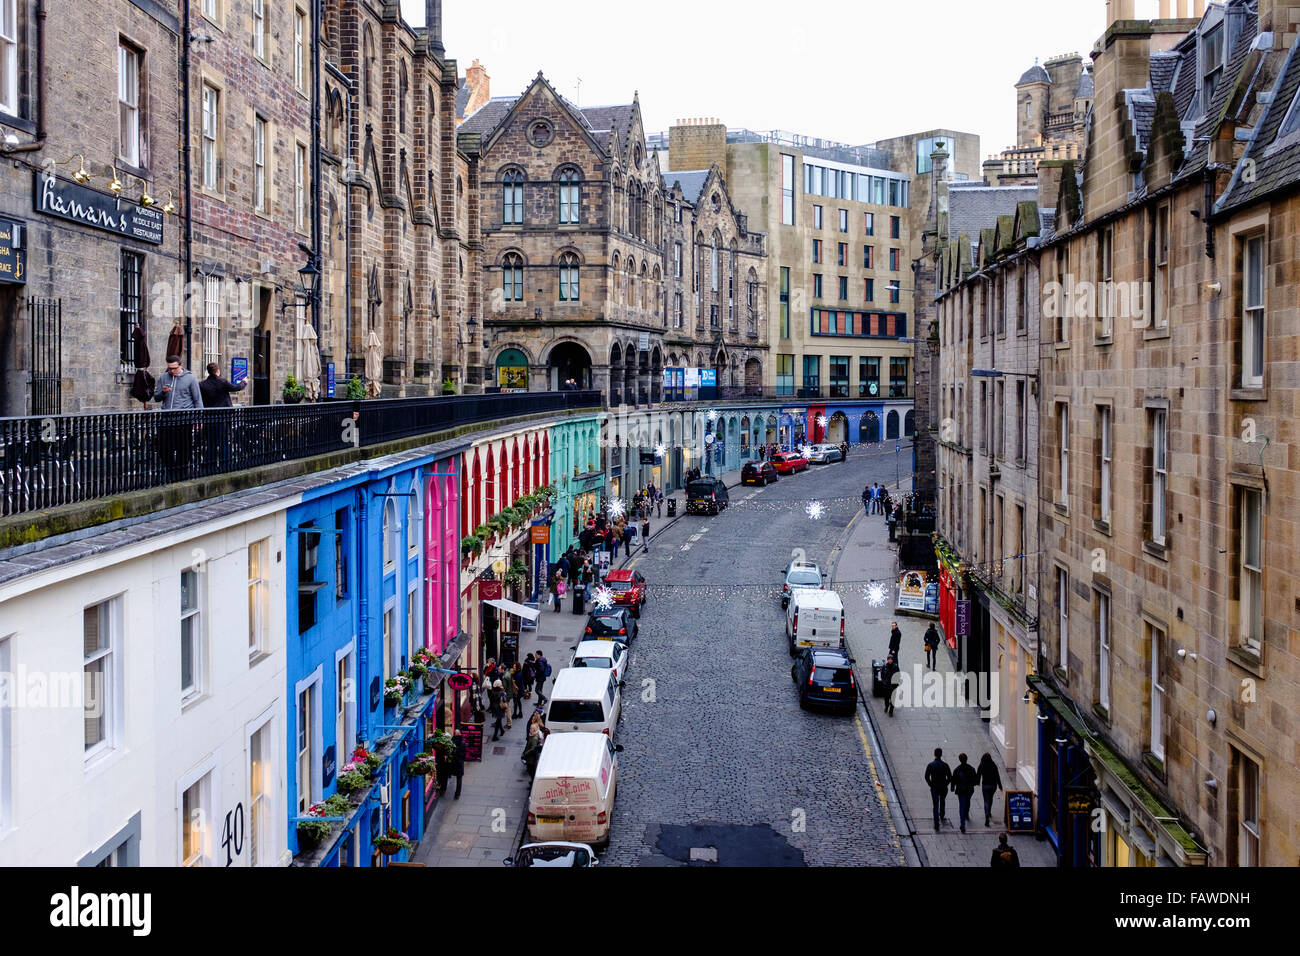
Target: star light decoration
{"points": [[822, 420], [660, 450], [603, 598], [713, 415], [875, 594], [805, 451], [708, 439], [814, 510], [615, 509]]}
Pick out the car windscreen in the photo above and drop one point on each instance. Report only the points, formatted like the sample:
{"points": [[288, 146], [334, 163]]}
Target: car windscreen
{"points": [[551, 856], [831, 675], [576, 712], [604, 662], [618, 585], [700, 489], [804, 576], [607, 622]]}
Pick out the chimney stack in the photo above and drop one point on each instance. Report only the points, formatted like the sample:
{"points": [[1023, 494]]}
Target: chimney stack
{"points": [[1120, 10], [433, 26]]}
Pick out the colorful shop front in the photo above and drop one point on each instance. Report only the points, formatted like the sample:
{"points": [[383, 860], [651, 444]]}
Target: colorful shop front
{"points": [[577, 475], [371, 608]]}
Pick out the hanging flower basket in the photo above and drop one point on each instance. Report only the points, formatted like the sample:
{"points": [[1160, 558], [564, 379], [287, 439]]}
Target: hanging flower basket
{"points": [[393, 842], [423, 765]]}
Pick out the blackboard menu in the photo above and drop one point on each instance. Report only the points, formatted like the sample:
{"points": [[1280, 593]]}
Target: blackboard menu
{"points": [[1020, 811], [473, 736]]}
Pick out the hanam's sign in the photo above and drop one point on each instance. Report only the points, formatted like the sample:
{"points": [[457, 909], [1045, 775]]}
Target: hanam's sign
{"points": [[88, 207]]}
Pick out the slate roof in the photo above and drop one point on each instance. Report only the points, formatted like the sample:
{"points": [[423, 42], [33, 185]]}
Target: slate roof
{"points": [[616, 118], [1087, 86], [973, 208], [1141, 111], [462, 98], [600, 121], [692, 181], [1035, 74], [1163, 64], [488, 116], [1276, 157]]}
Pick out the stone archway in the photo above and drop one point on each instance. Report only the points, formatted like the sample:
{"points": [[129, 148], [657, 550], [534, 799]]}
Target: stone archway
{"points": [[891, 425], [568, 362], [869, 428], [615, 375], [909, 424], [753, 377], [837, 429]]}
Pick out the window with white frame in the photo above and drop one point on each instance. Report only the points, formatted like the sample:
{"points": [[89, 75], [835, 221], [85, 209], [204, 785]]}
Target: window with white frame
{"points": [[1159, 474], [1213, 46], [512, 198], [128, 103], [300, 50], [211, 121], [259, 597], [1103, 462], [1063, 617], [344, 704], [261, 796], [677, 259], [211, 320], [1252, 319], [1160, 286], [1063, 443], [191, 635], [211, 9], [1103, 649], [1248, 805], [1156, 731], [259, 29], [787, 189], [100, 630], [412, 622], [389, 669], [306, 756], [300, 188], [570, 290], [570, 197], [1250, 538], [195, 811], [390, 536], [260, 191], [413, 516], [9, 56], [1106, 286]]}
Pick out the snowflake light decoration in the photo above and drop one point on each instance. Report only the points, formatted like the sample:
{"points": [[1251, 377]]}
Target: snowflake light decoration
{"points": [[603, 598], [615, 509], [814, 510], [805, 451], [822, 420], [875, 594], [660, 450], [708, 439], [713, 415]]}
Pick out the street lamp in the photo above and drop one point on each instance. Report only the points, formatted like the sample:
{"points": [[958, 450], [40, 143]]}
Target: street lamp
{"points": [[472, 327], [309, 281]]}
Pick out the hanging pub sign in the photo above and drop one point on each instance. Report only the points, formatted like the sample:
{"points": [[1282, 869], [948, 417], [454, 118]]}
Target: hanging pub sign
{"points": [[13, 254], [89, 207]]}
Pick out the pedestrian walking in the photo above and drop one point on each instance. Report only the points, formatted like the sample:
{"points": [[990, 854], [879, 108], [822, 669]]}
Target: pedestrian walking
{"points": [[659, 503], [931, 646], [559, 590], [990, 784], [844, 452], [888, 675], [867, 502], [530, 675], [543, 667], [617, 540], [895, 639], [456, 764], [1004, 854], [964, 779], [507, 683], [177, 389], [517, 693], [938, 776], [645, 534], [497, 708], [627, 539]]}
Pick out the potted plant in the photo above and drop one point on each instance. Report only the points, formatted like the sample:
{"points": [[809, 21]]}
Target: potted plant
{"points": [[442, 742], [353, 778], [394, 841], [423, 765], [311, 833], [356, 390], [370, 760], [514, 576], [396, 688], [448, 387], [293, 390], [470, 546]]}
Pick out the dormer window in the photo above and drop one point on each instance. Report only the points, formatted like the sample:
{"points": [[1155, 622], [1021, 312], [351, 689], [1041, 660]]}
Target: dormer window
{"points": [[1212, 57]]}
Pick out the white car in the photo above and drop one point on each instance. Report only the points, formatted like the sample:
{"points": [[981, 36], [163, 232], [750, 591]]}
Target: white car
{"points": [[555, 853], [825, 454], [796, 576], [610, 655]]}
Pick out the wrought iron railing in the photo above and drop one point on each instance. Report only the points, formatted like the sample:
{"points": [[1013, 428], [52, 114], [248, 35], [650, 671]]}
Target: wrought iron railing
{"points": [[46, 462], [774, 393]]}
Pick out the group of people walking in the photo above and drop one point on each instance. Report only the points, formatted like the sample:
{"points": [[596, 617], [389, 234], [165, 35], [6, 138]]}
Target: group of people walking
{"points": [[962, 781]]}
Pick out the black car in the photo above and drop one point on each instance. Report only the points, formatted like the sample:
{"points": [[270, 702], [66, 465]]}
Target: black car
{"points": [[706, 496], [825, 676], [758, 473], [617, 623]]}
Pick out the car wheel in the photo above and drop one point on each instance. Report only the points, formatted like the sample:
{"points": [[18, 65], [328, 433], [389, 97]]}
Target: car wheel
{"points": [[794, 673]]}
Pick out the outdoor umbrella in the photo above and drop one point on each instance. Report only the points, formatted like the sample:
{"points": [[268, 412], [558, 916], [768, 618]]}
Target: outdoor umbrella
{"points": [[374, 363], [310, 361], [143, 383]]}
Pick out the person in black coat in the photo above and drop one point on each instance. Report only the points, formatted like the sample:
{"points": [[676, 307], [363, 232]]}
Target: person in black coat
{"points": [[990, 784], [895, 640], [964, 779], [216, 390], [1004, 854], [456, 763], [938, 776], [888, 675], [931, 647]]}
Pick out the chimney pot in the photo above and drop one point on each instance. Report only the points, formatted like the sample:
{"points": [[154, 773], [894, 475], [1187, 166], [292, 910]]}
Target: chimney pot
{"points": [[1184, 8]]}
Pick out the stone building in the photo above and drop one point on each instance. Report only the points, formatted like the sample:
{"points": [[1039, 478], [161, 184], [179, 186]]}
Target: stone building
{"points": [[1052, 104], [575, 227], [88, 119], [1168, 484]]}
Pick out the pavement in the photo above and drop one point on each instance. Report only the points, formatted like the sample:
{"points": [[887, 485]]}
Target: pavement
{"points": [[910, 736]]}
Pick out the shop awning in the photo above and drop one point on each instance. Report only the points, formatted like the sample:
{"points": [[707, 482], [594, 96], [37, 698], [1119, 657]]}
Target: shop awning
{"points": [[510, 607]]}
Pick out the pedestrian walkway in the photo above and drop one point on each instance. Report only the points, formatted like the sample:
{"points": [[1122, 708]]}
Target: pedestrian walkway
{"points": [[910, 736]]}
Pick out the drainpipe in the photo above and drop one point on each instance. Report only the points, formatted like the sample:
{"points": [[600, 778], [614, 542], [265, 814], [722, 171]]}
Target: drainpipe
{"points": [[187, 167], [363, 623], [40, 87], [315, 164]]}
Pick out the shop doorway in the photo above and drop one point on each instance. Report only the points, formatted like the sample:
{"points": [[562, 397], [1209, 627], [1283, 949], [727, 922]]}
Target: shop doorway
{"points": [[262, 350]]}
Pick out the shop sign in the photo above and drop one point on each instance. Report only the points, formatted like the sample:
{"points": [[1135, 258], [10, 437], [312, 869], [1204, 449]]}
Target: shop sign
{"points": [[1079, 800], [932, 597], [1020, 811], [89, 207], [460, 682], [489, 590], [540, 534], [13, 254], [963, 618], [911, 591], [327, 767]]}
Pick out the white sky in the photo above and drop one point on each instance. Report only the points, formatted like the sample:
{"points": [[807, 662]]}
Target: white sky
{"points": [[854, 72]]}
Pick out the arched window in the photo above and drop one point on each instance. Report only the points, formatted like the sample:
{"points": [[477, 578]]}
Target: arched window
{"points": [[715, 262], [368, 69], [413, 516], [731, 288], [751, 301], [512, 278], [569, 277], [570, 197], [512, 198], [629, 291], [401, 98], [642, 299], [615, 278], [390, 531]]}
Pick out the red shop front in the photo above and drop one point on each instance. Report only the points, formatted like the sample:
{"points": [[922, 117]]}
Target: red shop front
{"points": [[948, 606]]}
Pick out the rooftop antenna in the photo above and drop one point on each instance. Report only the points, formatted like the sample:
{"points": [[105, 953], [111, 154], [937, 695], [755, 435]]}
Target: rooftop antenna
{"points": [[577, 99]]}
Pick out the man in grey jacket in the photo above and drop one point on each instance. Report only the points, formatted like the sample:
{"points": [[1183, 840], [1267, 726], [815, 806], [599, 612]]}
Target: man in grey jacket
{"points": [[177, 389]]}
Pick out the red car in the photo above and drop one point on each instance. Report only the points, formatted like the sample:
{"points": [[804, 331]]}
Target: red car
{"points": [[629, 589], [789, 462]]}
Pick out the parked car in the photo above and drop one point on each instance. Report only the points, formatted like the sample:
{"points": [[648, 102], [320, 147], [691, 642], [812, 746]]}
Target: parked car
{"points": [[825, 676], [616, 624], [825, 454], [584, 700], [789, 463], [573, 792], [799, 575], [609, 655], [815, 618], [555, 853], [758, 473], [706, 496], [629, 589]]}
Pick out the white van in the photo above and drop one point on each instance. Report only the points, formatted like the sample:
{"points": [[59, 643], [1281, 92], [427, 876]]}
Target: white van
{"points": [[573, 792], [815, 618], [584, 699]]}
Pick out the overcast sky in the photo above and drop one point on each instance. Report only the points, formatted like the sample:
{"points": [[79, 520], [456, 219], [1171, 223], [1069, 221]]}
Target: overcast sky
{"points": [[853, 72]]}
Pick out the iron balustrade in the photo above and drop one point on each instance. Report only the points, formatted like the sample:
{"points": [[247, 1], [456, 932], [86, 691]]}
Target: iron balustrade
{"points": [[50, 461]]}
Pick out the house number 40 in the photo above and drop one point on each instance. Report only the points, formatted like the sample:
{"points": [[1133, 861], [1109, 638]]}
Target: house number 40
{"points": [[232, 833]]}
